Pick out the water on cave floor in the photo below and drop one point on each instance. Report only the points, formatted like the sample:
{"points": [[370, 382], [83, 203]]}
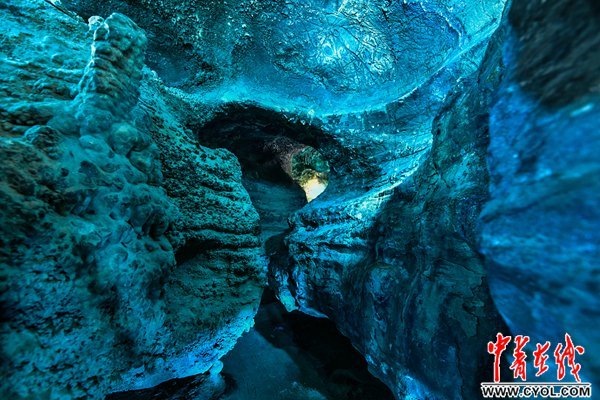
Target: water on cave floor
{"points": [[291, 356], [285, 356]]}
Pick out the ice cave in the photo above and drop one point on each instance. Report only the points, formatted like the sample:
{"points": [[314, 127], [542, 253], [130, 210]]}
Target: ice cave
{"points": [[299, 199]]}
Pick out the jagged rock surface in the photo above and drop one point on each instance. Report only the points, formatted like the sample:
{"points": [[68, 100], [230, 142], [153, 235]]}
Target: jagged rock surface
{"points": [[393, 260], [130, 255]]}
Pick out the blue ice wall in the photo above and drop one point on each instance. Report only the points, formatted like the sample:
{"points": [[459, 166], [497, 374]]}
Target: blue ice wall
{"points": [[539, 231]]}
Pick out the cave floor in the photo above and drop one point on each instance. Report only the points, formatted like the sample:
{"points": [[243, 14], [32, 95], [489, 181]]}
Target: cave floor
{"points": [[285, 356], [289, 356]]}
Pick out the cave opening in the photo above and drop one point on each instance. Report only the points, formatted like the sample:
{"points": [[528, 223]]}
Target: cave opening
{"points": [[288, 355], [285, 355], [283, 166]]}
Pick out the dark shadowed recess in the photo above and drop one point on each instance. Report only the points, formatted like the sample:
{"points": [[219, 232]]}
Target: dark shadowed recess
{"points": [[199, 387], [320, 362], [242, 127], [559, 55], [249, 132]]}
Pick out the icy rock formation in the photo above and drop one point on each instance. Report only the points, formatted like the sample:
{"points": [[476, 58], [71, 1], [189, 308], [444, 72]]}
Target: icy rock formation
{"points": [[130, 254], [389, 250], [329, 55], [404, 273], [539, 230]]}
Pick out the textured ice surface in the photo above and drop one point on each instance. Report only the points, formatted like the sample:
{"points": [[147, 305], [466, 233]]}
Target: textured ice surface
{"points": [[326, 55]]}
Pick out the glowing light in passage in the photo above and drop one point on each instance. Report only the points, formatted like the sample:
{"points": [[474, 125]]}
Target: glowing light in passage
{"points": [[313, 188]]}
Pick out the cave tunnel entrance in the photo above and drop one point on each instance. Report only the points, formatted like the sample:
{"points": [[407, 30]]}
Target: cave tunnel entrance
{"points": [[286, 355], [282, 166]]}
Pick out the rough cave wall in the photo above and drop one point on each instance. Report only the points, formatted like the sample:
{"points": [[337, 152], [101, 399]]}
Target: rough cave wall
{"points": [[130, 255], [539, 229], [371, 151], [396, 264], [416, 266]]}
